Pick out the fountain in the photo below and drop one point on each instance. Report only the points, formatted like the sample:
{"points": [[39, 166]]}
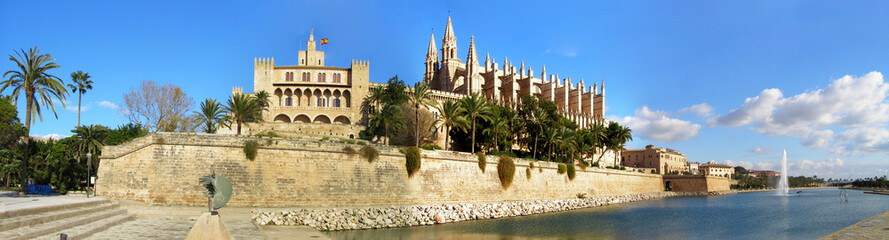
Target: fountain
{"points": [[782, 184]]}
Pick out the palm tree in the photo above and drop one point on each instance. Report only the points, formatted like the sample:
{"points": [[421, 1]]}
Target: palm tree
{"points": [[211, 114], [565, 142], [374, 98], [81, 84], [241, 109], [89, 139], [537, 117], [499, 125], [32, 79], [476, 107], [600, 135], [452, 115], [421, 96], [585, 143], [389, 118], [549, 137], [262, 99], [619, 136]]}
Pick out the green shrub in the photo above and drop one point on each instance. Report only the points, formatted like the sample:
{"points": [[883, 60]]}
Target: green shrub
{"points": [[581, 195], [528, 173], [505, 170], [623, 168], [596, 164], [585, 163], [412, 160], [482, 161], [250, 149], [268, 134], [653, 171], [532, 165], [325, 139], [562, 168], [571, 172], [369, 153], [430, 147], [349, 141], [508, 153], [349, 150], [159, 140]]}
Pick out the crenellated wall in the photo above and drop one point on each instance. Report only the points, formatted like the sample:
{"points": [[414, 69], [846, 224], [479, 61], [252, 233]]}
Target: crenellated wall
{"points": [[163, 168]]}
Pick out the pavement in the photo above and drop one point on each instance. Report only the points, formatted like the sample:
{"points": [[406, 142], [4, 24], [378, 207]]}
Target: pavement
{"points": [[876, 227], [12, 201]]}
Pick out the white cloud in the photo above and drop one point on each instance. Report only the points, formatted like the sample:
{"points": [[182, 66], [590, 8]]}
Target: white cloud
{"points": [[746, 165], [48, 136], [108, 104], [657, 126], [701, 110], [760, 150], [848, 102], [862, 141]]}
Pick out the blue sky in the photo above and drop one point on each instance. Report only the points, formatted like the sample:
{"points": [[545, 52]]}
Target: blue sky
{"points": [[806, 76]]}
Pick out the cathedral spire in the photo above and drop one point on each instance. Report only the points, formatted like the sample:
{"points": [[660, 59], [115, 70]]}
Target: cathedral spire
{"points": [[432, 52], [472, 58], [449, 43]]}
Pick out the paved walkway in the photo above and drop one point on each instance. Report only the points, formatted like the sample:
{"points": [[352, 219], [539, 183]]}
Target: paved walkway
{"points": [[12, 201], [876, 227], [149, 229]]}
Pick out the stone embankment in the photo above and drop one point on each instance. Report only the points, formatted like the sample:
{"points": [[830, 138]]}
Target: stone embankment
{"points": [[332, 219]]}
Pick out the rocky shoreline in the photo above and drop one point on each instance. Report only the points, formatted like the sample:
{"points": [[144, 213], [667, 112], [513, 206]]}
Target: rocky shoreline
{"points": [[350, 218]]}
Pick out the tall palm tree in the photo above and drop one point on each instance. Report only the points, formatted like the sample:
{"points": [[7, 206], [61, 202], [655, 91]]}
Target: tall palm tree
{"points": [[262, 99], [81, 84], [499, 125], [389, 118], [537, 117], [476, 107], [32, 79], [452, 115], [420, 96], [89, 139], [565, 142], [374, 98], [242, 109], [619, 136], [549, 137], [212, 115], [600, 135]]}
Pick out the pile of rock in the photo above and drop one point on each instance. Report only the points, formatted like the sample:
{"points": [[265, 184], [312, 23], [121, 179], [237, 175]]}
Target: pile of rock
{"points": [[330, 219]]}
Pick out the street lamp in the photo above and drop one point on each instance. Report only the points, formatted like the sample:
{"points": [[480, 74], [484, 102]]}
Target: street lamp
{"points": [[89, 158]]}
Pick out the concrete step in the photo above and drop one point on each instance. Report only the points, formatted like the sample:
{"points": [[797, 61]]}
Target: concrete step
{"points": [[45, 217], [49, 208], [82, 232], [59, 226]]}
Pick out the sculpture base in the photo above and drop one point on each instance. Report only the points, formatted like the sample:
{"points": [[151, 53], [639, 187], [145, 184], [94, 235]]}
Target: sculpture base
{"points": [[209, 226]]}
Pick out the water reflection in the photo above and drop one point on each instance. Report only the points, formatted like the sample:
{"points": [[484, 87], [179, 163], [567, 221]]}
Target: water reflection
{"points": [[759, 215]]}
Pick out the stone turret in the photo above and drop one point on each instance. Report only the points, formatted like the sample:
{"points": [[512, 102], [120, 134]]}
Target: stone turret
{"points": [[474, 81], [431, 60], [449, 44]]}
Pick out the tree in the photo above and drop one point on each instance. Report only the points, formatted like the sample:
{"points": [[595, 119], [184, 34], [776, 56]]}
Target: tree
{"points": [[600, 134], [81, 84], [618, 136], [158, 108], [420, 96], [452, 116], [549, 136], [476, 107], [242, 109], [211, 115], [124, 133], [499, 125], [262, 99], [89, 139], [11, 132], [32, 79], [537, 117], [389, 118]]}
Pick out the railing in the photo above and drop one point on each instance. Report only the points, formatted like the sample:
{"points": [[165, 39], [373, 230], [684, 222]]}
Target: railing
{"points": [[311, 108]]}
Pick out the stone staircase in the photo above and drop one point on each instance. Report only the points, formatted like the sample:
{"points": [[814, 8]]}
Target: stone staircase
{"points": [[78, 220]]}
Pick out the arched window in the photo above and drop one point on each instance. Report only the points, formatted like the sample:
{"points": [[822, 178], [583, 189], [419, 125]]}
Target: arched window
{"points": [[305, 77], [320, 102], [321, 77], [288, 102], [336, 78], [336, 103]]}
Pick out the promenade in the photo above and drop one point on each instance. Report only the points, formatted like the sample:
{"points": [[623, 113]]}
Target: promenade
{"points": [[876, 227]]}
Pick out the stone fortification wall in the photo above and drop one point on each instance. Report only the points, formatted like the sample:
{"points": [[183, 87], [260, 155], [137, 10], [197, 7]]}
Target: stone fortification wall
{"points": [[163, 168], [697, 183]]}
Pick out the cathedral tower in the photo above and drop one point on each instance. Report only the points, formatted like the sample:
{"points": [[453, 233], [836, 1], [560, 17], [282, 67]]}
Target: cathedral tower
{"points": [[431, 63]]}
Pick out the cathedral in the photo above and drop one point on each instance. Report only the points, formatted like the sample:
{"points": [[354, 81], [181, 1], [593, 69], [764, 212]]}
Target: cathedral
{"points": [[451, 78]]}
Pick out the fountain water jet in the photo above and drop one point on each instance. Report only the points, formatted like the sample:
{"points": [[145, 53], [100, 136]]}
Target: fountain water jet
{"points": [[783, 186]]}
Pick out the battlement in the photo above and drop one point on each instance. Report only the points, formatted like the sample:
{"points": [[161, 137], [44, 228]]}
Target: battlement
{"points": [[360, 63], [264, 62], [237, 90]]}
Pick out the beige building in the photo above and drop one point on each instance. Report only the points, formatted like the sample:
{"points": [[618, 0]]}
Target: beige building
{"points": [[663, 160], [452, 78], [310, 92], [717, 170], [693, 168]]}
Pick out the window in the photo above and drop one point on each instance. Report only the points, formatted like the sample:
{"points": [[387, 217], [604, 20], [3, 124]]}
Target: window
{"points": [[336, 103], [321, 77], [336, 78], [305, 77], [320, 102], [288, 102]]}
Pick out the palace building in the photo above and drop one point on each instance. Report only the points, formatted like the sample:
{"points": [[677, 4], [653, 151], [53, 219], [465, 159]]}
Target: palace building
{"points": [[310, 97], [451, 78]]}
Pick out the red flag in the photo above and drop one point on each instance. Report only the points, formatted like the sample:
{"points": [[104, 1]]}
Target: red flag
{"points": [[323, 41]]}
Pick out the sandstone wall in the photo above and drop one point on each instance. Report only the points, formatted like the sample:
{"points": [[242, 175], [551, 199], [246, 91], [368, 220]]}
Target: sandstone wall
{"points": [[697, 183], [163, 168]]}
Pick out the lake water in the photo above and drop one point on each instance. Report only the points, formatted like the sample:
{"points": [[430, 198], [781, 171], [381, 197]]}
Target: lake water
{"points": [[757, 215]]}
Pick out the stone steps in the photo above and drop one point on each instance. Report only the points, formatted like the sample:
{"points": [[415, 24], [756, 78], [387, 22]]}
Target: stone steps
{"points": [[77, 220]]}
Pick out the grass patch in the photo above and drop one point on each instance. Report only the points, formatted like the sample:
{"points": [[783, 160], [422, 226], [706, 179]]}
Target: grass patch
{"points": [[430, 147], [506, 171], [562, 168], [412, 160], [370, 153], [348, 141], [349, 150], [482, 161], [324, 139], [268, 134], [250, 147], [596, 164], [571, 172], [159, 140]]}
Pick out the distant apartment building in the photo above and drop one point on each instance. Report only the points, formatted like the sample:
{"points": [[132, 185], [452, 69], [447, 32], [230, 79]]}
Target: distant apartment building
{"points": [[693, 168], [716, 169], [768, 173], [663, 160]]}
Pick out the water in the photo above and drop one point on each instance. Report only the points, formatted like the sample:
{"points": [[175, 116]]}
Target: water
{"points": [[783, 185], [758, 215]]}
